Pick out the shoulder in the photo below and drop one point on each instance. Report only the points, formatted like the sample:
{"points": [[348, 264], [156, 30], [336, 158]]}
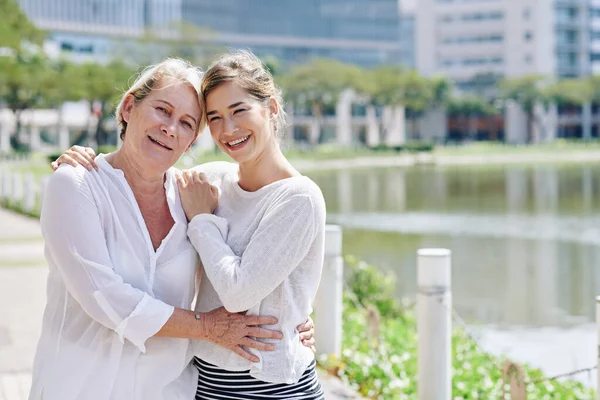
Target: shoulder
{"points": [[303, 192], [68, 179], [215, 171], [303, 186]]}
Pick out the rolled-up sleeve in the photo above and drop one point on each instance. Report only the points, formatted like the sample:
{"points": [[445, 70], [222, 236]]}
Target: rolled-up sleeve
{"points": [[75, 239]]}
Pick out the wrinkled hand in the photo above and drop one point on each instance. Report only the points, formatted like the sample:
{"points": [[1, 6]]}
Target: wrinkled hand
{"points": [[197, 195], [77, 155], [307, 334], [235, 331]]}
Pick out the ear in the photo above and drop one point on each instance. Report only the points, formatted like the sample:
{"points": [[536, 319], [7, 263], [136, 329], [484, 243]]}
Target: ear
{"points": [[128, 103], [273, 107]]}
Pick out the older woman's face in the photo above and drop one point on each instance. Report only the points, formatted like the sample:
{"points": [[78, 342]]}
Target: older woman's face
{"points": [[162, 126]]}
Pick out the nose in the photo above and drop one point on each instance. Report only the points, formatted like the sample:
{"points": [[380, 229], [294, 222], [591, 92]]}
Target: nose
{"points": [[169, 127], [229, 127]]}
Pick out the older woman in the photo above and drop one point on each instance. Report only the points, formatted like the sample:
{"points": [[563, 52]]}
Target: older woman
{"points": [[117, 322]]}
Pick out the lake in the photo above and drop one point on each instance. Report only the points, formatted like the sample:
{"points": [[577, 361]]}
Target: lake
{"points": [[524, 240]]}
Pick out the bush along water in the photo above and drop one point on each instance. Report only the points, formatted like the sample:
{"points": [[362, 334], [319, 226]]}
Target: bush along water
{"points": [[379, 356]]}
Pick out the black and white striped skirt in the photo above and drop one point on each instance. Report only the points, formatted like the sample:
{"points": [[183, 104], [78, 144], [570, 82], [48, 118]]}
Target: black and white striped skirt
{"points": [[218, 384]]}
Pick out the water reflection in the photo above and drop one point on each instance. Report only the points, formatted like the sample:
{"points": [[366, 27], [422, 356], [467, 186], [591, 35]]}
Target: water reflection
{"points": [[525, 240]]}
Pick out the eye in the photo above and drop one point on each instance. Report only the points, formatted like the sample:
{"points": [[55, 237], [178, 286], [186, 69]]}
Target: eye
{"points": [[212, 119], [239, 110], [188, 124], [163, 110]]}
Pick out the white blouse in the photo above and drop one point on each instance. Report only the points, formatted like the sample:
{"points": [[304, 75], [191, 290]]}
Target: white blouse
{"points": [[263, 252], [109, 292]]}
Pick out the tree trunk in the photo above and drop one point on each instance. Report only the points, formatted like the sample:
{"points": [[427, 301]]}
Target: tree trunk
{"points": [[529, 127], [315, 131], [100, 133]]}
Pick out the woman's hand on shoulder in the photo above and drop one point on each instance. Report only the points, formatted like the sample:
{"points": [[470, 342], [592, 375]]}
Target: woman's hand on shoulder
{"points": [[77, 155], [197, 195]]}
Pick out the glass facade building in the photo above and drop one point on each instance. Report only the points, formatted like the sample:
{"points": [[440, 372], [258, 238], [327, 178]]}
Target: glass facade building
{"points": [[364, 32]]}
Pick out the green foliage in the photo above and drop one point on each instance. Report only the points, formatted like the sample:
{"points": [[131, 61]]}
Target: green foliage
{"points": [[412, 146], [320, 81], [571, 91], [470, 106], [371, 287], [389, 370], [527, 91], [15, 27]]}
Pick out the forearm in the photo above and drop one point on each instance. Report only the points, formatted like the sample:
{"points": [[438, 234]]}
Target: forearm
{"points": [[184, 324]]}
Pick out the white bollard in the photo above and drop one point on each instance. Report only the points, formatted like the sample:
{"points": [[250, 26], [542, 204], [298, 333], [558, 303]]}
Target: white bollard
{"points": [[434, 324], [598, 349], [328, 301], [29, 200]]}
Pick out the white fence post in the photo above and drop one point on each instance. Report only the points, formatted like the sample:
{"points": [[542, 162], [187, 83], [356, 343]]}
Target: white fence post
{"points": [[434, 324], [29, 199], [17, 188], [328, 301], [598, 347], [6, 184], [43, 185]]}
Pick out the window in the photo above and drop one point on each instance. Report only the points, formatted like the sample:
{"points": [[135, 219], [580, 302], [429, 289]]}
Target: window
{"points": [[528, 35], [595, 12], [527, 14], [473, 39], [483, 16], [66, 46], [527, 59]]}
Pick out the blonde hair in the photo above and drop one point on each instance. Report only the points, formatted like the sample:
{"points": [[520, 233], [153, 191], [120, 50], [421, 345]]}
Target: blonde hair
{"points": [[245, 69], [173, 69]]}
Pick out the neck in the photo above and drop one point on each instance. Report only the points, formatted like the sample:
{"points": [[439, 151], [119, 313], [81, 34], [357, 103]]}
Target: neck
{"points": [[269, 167], [143, 181]]}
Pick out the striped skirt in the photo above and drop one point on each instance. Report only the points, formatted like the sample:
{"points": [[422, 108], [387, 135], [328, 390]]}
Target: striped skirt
{"points": [[217, 384]]}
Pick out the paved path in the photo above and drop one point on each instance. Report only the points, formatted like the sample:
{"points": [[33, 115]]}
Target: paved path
{"points": [[22, 299]]}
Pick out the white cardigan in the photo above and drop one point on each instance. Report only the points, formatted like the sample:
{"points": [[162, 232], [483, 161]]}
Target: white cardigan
{"points": [[109, 292], [262, 251]]}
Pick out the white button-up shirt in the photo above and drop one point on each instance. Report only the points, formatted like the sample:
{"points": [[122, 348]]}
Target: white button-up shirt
{"points": [[109, 292]]}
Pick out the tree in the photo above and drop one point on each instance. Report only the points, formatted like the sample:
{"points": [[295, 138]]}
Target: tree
{"points": [[484, 85], [468, 110], [397, 86], [527, 91], [575, 92], [24, 78], [15, 27], [102, 85], [318, 84]]}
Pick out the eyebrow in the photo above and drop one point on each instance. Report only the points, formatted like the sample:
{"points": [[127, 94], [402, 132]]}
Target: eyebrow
{"points": [[234, 105], [171, 105]]}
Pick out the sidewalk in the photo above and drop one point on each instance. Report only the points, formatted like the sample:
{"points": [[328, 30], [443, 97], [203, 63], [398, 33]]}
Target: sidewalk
{"points": [[22, 299]]}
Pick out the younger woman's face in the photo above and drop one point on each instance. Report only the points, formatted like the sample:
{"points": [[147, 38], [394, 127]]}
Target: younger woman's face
{"points": [[240, 125]]}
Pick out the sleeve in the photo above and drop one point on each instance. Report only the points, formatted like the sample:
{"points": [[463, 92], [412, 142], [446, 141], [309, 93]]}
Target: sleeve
{"points": [[75, 241], [281, 241]]}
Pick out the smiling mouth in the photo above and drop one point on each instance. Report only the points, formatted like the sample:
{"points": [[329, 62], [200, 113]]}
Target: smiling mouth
{"points": [[237, 142], [159, 143]]}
